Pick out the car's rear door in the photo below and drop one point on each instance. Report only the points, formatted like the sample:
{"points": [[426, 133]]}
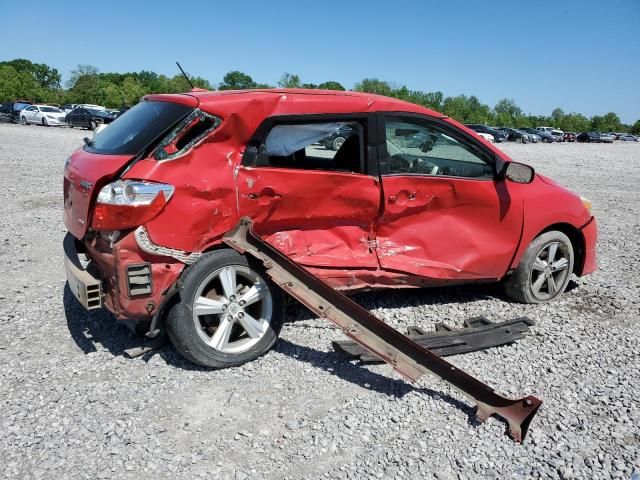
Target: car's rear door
{"points": [[316, 205], [446, 216]]}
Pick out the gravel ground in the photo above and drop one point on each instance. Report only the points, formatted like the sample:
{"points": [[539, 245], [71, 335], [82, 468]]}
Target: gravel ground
{"points": [[72, 405]]}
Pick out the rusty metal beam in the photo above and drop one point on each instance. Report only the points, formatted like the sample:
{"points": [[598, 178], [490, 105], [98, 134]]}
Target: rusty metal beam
{"points": [[406, 356]]}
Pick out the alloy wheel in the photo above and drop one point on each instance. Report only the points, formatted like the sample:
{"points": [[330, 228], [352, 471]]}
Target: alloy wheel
{"points": [[550, 271], [232, 309]]}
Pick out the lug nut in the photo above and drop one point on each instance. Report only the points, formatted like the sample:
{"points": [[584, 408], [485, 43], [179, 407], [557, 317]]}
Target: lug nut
{"points": [[224, 307], [240, 314], [232, 298], [242, 302]]}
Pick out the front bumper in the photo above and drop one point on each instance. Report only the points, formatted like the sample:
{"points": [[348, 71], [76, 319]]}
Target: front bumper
{"points": [[83, 284], [590, 234]]}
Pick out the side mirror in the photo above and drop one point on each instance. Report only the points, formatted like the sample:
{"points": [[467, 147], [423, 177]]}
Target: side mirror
{"points": [[518, 172]]}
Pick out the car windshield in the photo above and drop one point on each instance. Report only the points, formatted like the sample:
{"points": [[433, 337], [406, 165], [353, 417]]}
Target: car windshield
{"points": [[137, 128], [100, 113], [50, 110]]}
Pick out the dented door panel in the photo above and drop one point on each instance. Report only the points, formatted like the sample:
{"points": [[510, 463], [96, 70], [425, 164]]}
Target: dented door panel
{"points": [[448, 228], [319, 218]]}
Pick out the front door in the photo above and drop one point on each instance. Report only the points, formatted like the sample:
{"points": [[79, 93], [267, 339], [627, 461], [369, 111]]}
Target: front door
{"points": [[446, 216], [316, 205]]}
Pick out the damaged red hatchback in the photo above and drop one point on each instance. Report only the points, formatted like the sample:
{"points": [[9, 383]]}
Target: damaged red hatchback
{"points": [[409, 198]]}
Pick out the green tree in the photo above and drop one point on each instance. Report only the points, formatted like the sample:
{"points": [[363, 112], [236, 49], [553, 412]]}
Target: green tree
{"points": [[373, 85], [331, 85], [636, 128], [289, 80], [131, 91], [236, 80], [81, 71]]}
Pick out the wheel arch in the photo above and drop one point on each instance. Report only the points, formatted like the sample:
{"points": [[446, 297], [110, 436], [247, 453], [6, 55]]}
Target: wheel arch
{"points": [[577, 242]]}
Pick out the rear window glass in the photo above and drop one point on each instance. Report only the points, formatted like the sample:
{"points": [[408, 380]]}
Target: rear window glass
{"points": [[137, 128]]}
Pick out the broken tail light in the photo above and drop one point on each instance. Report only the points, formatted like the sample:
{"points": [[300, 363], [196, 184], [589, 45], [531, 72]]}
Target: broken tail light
{"points": [[129, 203]]}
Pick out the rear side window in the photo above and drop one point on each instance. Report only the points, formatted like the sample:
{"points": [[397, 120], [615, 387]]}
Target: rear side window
{"points": [[133, 131], [335, 146]]}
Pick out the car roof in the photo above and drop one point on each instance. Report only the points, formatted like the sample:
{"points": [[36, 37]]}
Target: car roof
{"points": [[244, 110], [294, 101]]}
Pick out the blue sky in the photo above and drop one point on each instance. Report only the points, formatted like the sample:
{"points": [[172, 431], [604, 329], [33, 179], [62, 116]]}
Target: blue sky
{"points": [[582, 55]]}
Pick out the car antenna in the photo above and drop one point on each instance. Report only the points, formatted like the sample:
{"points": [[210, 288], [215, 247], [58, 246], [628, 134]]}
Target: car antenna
{"points": [[185, 76]]}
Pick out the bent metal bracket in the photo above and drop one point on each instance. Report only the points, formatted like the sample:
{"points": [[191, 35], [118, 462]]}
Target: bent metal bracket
{"points": [[406, 356]]}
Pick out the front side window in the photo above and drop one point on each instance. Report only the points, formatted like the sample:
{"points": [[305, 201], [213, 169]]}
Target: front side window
{"points": [[415, 146], [332, 145]]}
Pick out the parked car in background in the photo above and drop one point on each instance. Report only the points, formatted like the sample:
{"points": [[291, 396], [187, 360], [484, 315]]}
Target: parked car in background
{"points": [[544, 136], [515, 135], [535, 137], [545, 129], [149, 200], [498, 136], [588, 137], [90, 118], [45, 115], [627, 137], [558, 135], [10, 111], [337, 138], [487, 136], [606, 137], [569, 137]]}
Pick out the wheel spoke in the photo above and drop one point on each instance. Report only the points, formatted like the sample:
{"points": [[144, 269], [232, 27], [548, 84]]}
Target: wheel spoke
{"points": [[537, 285], [254, 328], [220, 338], [228, 280], [255, 293], [553, 248], [207, 306], [539, 264], [551, 285], [561, 264]]}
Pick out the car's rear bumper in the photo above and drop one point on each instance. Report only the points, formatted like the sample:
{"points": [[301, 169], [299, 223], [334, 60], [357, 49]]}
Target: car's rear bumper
{"points": [[590, 234], [134, 283], [83, 284]]}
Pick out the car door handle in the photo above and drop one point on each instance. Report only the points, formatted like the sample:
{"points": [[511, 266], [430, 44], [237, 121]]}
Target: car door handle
{"points": [[252, 196]]}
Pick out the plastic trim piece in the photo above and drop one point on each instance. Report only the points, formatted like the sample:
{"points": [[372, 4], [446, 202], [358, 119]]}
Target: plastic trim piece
{"points": [[406, 356], [479, 333], [146, 245]]}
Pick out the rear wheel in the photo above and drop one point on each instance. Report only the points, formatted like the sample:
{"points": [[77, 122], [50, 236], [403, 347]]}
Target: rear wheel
{"points": [[544, 271], [92, 125], [70, 125], [24, 120], [229, 312]]}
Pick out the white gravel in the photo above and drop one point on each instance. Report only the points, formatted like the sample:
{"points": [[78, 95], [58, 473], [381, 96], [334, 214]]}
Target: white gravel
{"points": [[72, 406]]}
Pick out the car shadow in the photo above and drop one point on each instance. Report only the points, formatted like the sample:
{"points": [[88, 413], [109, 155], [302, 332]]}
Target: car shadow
{"points": [[410, 297], [354, 372], [99, 330]]}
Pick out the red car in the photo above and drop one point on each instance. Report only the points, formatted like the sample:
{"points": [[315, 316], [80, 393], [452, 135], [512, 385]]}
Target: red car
{"points": [[410, 199], [569, 137]]}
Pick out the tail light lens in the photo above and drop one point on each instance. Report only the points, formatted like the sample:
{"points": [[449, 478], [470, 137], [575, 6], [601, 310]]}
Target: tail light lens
{"points": [[129, 203]]}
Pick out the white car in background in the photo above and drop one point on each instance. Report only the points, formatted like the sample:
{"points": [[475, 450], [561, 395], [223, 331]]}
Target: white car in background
{"points": [[45, 115], [487, 136]]}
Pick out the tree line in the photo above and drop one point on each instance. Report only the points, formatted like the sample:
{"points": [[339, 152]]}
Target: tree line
{"points": [[38, 82]]}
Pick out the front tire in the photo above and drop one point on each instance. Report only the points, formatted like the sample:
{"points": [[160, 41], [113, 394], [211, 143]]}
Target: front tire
{"points": [[45, 123], [24, 121], [544, 271], [92, 125], [229, 312]]}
